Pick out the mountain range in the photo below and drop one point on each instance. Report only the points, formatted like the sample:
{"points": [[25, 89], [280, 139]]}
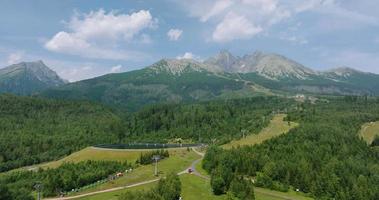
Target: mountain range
{"points": [[27, 78], [183, 80]]}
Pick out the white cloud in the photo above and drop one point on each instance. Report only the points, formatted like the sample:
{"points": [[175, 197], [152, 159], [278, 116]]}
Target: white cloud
{"points": [[234, 27], [237, 19], [362, 60], [97, 34], [217, 8], [14, 58], [187, 55], [116, 68], [146, 39], [262, 15], [174, 34]]}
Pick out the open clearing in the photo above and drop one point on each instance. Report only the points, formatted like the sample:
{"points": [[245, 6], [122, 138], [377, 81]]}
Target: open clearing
{"points": [[115, 194], [276, 127], [178, 161], [369, 131], [193, 187]]}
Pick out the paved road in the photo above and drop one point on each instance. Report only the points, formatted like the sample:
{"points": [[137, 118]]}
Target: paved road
{"points": [[140, 183]]}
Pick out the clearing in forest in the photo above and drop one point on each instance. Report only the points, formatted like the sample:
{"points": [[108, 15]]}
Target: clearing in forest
{"points": [[276, 127], [369, 131]]}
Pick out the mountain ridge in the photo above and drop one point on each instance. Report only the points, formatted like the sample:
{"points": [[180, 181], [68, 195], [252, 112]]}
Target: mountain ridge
{"points": [[186, 80], [26, 78]]}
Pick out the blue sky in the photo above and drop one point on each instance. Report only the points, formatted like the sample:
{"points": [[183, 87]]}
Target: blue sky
{"points": [[85, 38]]}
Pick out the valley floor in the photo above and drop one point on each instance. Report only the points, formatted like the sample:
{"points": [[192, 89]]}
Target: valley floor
{"points": [[194, 186]]}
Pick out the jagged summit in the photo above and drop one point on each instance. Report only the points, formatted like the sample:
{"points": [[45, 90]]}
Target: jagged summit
{"points": [[177, 66], [272, 66], [223, 61], [28, 77], [344, 71]]}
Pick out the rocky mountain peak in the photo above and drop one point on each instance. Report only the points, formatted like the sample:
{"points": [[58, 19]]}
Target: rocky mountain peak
{"points": [[28, 77], [272, 66], [177, 66]]}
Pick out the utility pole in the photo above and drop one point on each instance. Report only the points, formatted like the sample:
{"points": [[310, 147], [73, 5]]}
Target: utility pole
{"points": [[243, 132], [156, 158], [38, 187]]}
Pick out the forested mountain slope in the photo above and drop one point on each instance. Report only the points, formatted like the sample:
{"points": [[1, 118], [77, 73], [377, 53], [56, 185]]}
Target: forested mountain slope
{"points": [[167, 81], [324, 156], [206, 122], [223, 76], [34, 130]]}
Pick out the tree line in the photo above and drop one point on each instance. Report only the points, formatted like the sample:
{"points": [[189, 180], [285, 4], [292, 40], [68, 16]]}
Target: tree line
{"points": [[65, 178], [168, 188], [34, 130], [206, 122], [323, 157], [147, 157]]}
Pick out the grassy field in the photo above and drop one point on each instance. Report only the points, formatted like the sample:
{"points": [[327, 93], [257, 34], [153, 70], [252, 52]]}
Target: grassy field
{"points": [[276, 127], [179, 160], [200, 169], [115, 194], [369, 131], [88, 153], [195, 188]]}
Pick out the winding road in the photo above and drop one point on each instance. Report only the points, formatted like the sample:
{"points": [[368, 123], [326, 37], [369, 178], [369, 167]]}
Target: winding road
{"points": [[192, 166]]}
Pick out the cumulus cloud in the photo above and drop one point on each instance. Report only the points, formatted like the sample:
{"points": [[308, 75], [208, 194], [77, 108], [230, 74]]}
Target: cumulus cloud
{"points": [[14, 58], [234, 26], [260, 15], [95, 35], [187, 55], [237, 19], [174, 34], [216, 9], [116, 68]]}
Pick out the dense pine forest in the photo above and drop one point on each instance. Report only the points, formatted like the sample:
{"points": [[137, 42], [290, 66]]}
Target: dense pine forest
{"points": [[323, 156], [34, 130], [207, 122], [69, 176]]}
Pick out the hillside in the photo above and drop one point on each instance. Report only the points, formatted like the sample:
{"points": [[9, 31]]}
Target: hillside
{"points": [[323, 156], [168, 81], [26, 78], [222, 76], [36, 130], [270, 66]]}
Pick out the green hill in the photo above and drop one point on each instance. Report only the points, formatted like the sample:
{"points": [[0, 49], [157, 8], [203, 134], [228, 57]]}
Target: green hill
{"points": [[34, 130], [168, 81]]}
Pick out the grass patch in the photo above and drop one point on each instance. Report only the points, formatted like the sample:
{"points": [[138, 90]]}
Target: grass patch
{"points": [[115, 194], [200, 169], [178, 161], [276, 127], [266, 194], [194, 188], [369, 131]]}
